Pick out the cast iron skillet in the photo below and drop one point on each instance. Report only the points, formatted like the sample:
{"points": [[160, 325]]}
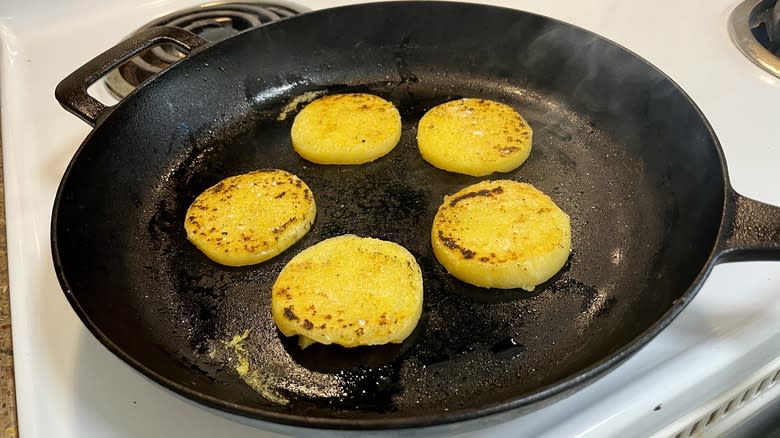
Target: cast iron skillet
{"points": [[616, 143]]}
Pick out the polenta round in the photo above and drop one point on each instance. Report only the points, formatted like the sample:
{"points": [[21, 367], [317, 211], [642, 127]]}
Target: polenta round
{"points": [[474, 136], [349, 291], [501, 234], [350, 128], [249, 218]]}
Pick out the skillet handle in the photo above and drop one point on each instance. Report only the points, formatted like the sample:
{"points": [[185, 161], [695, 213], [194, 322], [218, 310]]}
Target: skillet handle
{"points": [[72, 91], [751, 230]]}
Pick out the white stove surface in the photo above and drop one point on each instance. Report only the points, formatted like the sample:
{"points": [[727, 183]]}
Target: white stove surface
{"points": [[69, 385]]}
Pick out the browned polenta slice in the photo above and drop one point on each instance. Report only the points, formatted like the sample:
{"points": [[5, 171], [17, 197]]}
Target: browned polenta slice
{"points": [[501, 234], [249, 218], [346, 129], [349, 291], [474, 136]]}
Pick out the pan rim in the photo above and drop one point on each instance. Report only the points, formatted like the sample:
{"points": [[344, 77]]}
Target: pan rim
{"points": [[547, 393]]}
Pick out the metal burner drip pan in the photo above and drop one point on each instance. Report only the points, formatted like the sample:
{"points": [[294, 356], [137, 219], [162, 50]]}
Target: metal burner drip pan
{"points": [[754, 26]]}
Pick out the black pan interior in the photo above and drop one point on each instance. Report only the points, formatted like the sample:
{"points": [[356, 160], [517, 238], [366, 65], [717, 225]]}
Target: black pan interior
{"points": [[616, 144]]}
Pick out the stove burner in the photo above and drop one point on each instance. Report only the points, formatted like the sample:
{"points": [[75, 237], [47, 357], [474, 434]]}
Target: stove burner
{"points": [[212, 21], [754, 27]]}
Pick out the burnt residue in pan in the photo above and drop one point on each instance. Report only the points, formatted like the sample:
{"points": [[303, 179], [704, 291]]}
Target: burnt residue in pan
{"points": [[469, 338]]}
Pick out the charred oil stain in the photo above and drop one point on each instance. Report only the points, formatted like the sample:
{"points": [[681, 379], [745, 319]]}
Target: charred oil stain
{"points": [[607, 307], [404, 73], [395, 207], [397, 202], [370, 389], [589, 294], [161, 226], [203, 294]]}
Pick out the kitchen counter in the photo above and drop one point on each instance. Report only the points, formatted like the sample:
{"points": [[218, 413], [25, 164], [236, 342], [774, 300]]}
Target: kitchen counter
{"points": [[7, 392]]}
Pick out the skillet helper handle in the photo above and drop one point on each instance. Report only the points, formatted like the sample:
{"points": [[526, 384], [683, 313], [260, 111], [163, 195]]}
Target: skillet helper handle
{"points": [[72, 91], [752, 231]]}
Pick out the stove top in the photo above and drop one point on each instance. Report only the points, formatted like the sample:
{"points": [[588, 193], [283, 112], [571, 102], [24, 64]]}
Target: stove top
{"points": [[715, 365], [212, 21]]}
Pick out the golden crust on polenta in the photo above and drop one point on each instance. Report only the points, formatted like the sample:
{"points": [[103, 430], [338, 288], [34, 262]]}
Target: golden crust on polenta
{"points": [[349, 291], [249, 218], [501, 234], [474, 136], [350, 128]]}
